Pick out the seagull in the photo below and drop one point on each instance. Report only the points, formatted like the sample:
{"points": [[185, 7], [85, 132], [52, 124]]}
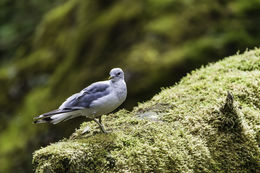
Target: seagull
{"points": [[97, 99]]}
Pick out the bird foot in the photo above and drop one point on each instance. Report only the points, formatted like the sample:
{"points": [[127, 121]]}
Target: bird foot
{"points": [[100, 126], [86, 130]]}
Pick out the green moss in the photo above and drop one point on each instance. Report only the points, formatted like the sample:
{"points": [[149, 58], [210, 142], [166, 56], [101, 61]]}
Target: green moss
{"points": [[199, 127], [155, 42]]}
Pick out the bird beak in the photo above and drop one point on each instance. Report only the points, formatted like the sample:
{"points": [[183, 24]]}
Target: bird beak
{"points": [[111, 77]]}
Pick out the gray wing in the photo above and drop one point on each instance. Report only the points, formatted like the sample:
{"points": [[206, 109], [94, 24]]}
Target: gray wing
{"points": [[86, 96]]}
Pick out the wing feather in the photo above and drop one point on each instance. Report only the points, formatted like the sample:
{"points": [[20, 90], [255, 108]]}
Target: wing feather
{"points": [[84, 98]]}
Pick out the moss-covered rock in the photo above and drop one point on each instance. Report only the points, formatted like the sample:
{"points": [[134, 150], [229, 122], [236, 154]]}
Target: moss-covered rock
{"points": [[208, 122], [155, 42]]}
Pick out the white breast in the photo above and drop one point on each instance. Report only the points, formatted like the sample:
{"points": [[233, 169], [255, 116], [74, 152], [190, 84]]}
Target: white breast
{"points": [[110, 102]]}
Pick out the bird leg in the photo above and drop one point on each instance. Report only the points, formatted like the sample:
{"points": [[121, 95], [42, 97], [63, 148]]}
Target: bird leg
{"points": [[100, 125], [86, 130], [100, 120]]}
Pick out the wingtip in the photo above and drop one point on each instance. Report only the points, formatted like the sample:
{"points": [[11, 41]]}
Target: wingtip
{"points": [[38, 119]]}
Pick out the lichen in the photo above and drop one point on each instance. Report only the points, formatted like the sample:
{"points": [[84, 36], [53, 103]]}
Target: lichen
{"points": [[208, 122]]}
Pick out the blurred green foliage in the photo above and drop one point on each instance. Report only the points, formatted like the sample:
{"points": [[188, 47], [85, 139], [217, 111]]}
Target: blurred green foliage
{"points": [[18, 20], [77, 42]]}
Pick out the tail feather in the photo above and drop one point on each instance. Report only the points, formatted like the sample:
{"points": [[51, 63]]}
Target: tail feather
{"points": [[54, 112], [57, 116]]}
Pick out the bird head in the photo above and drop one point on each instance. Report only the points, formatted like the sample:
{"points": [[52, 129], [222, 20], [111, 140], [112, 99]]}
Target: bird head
{"points": [[116, 74]]}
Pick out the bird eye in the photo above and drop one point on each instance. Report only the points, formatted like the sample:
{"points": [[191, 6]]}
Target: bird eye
{"points": [[118, 73]]}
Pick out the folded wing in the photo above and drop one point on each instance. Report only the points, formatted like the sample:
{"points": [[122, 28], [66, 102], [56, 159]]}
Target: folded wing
{"points": [[72, 106]]}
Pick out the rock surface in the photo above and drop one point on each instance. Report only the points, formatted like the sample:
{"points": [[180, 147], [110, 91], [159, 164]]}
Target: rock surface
{"points": [[208, 122]]}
